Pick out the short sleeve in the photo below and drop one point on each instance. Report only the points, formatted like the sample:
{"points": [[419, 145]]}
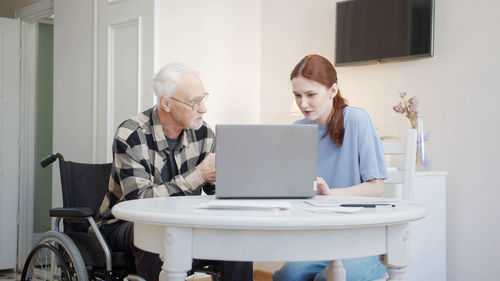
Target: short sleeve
{"points": [[371, 151]]}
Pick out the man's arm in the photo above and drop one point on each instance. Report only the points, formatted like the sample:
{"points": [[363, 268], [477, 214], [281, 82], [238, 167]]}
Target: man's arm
{"points": [[132, 170], [208, 168]]}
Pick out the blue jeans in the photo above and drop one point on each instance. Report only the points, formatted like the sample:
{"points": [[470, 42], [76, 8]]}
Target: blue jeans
{"points": [[357, 269]]}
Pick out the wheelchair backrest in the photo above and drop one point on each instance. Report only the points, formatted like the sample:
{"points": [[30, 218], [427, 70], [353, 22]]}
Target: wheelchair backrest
{"points": [[84, 185]]}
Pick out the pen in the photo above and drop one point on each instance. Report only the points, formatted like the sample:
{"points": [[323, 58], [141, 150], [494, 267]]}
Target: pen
{"points": [[367, 205]]}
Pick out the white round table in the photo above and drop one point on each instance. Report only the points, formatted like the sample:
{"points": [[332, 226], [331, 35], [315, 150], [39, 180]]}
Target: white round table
{"points": [[179, 231]]}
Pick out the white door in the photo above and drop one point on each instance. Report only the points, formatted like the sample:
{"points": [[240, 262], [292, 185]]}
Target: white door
{"points": [[126, 65], [103, 68], [9, 137]]}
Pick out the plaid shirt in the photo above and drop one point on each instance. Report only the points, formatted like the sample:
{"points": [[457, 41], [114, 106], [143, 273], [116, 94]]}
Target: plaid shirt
{"points": [[140, 159]]}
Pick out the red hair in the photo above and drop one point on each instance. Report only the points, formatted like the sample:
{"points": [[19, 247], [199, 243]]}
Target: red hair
{"points": [[321, 70]]}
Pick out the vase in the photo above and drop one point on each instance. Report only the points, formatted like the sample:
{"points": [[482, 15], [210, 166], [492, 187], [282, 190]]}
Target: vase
{"points": [[414, 122], [422, 161]]}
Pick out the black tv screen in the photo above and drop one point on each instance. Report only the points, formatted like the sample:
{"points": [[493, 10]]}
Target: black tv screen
{"points": [[378, 30]]}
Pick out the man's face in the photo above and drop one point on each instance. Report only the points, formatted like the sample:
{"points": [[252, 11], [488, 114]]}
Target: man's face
{"points": [[189, 92]]}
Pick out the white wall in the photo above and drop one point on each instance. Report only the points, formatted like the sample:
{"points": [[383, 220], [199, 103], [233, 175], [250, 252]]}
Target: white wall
{"points": [[73, 79], [221, 39], [73, 133], [291, 29], [459, 94]]}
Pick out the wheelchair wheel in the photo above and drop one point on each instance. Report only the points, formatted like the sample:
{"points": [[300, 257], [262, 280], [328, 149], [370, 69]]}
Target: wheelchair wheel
{"points": [[45, 263], [56, 257]]}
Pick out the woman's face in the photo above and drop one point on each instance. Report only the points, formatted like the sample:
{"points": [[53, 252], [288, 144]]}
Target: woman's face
{"points": [[313, 99]]}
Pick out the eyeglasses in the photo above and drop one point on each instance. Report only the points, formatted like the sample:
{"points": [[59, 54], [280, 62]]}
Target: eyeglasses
{"points": [[196, 103]]}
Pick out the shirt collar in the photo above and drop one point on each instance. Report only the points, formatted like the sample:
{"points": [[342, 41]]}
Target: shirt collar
{"points": [[159, 137]]}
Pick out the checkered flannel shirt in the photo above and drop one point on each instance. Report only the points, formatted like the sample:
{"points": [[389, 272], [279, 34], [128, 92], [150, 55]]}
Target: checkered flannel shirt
{"points": [[140, 154]]}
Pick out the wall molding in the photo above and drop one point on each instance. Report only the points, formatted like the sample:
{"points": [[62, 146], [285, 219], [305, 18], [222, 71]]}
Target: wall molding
{"points": [[112, 2], [30, 16], [140, 92], [29, 34], [36, 12], [115, 21], [95, 79], [112, 29]]}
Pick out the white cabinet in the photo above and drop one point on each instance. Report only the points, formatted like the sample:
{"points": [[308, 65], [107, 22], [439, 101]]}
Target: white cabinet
{"points": [[428, 235]]}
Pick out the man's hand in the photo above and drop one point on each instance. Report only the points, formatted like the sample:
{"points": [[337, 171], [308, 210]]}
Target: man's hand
{"points": [[207, 168]]}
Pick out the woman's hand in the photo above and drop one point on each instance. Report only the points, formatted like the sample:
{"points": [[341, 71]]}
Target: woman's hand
{"points": [[373, 188], [322, 186]]}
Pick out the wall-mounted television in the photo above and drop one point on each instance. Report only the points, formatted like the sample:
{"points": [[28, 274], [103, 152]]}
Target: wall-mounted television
{"points": [[378, 30]]}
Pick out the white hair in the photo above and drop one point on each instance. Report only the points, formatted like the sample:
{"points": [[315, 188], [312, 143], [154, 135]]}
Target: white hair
{"points": [[168, 78]]}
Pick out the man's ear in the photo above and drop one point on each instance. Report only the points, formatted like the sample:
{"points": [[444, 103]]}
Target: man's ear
{"points": [[333, 90], [165, 104]]}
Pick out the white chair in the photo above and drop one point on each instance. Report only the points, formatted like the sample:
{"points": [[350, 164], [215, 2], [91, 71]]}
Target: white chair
{"points": [[400, 181], [399, 184]]}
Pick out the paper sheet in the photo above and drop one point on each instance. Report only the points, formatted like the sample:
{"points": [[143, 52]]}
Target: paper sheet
{"points": [[258, 205], [329, 210], [329, 201]]}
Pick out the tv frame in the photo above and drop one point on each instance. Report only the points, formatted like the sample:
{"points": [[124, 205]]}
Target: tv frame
{"points": [[390, 59]]}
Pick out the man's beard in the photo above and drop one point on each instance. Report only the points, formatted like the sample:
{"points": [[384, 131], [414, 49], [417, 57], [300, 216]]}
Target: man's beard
{"points": [[195, 123]]}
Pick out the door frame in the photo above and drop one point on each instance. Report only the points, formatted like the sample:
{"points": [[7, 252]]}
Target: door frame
{"points": [[29, 16]]}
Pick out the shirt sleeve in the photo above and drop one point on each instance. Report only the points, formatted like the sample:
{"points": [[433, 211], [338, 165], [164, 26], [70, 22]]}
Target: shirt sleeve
{"points": [[133, 173], [209, 147], [190, 182], [371, 152], [131, 169]]}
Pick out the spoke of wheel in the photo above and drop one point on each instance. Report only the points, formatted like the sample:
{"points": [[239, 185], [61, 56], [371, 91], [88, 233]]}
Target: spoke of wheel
{"points": [[47, 263], [44, 264], [53, 262], [33, 270], [39, 264]]}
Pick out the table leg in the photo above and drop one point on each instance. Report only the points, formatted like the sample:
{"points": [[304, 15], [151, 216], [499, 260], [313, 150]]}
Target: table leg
{"points": [[396, 273], [398, 251], [177, 258], [335, 271]]}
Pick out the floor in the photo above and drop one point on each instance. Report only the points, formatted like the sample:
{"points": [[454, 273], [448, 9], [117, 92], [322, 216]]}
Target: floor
{"points": [[9, 275], [259, 275]]}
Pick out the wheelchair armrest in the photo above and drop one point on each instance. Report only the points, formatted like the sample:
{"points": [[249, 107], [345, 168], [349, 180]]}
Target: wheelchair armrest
{"points": [[81, 212]]}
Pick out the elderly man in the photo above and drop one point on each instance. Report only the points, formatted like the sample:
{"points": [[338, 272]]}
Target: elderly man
{"points": [[167, 150]]}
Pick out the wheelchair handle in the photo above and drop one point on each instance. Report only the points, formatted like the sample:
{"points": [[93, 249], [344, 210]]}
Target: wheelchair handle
{"points": [[50, 159]]}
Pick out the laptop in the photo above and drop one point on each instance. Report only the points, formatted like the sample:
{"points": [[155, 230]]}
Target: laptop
{"points": [[266, 161]]}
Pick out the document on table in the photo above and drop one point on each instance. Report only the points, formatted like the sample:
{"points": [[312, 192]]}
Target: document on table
{"points": [[330, 201], [241, 204], [329, 210], [350, 204]]}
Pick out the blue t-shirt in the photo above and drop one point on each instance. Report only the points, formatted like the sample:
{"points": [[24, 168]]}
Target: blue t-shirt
{"points": [[359, 159]]}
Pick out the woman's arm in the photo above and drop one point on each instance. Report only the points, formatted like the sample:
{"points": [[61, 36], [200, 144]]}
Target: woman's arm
{"points": [[372, 188]]}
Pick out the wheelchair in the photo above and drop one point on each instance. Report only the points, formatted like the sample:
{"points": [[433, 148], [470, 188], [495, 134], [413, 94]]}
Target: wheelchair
{"points": [[79, 251]]}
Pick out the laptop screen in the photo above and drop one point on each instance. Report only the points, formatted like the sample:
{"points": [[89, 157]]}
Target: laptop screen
{"points": [[266, 161]]}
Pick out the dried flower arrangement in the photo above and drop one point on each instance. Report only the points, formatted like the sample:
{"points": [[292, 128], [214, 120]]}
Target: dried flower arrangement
{"points": [[408, 107]]}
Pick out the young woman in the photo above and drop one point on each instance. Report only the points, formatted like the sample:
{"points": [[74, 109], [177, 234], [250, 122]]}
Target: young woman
{"points": [[350, 158]]}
